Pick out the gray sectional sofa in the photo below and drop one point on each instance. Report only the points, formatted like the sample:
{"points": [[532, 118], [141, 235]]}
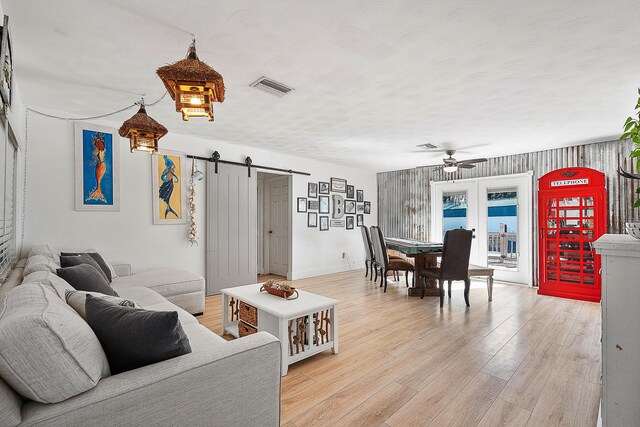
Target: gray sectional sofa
{"points": [[220, 383]]}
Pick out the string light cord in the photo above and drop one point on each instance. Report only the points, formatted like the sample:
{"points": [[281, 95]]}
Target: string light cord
{"points": [[68, 119]]}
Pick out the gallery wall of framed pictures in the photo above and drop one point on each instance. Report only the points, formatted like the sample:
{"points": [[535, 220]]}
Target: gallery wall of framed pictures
{"points": [[334, 204]]}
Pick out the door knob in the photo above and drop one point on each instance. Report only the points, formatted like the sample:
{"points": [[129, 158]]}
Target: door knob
{"points": [[270, 231]]}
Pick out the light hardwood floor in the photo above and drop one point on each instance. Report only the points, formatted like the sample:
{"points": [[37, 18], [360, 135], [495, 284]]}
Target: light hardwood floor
{"points": [[521, 360]]}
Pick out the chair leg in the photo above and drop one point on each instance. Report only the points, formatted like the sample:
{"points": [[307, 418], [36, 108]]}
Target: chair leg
{"points": [[450, 288], [396, 275], [385, 281], [441, 287], [467, 285], [383, 274], [406, 277], [374, 268]]}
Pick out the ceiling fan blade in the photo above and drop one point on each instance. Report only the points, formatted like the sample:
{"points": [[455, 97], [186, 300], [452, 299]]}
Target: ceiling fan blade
{"points": [[472, 161], [466, 166]]}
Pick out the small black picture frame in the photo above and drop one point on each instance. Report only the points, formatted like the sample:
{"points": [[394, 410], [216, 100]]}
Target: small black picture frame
{"points": [[324, 223], [350, 222], [367, 207], [350, 207], [323, 187], [323, 207], [360, 220], [312, 219], [302, 204], [360, 196], [338, 185], [312, 189], [360, 208], [351, 192], [313, 205]]}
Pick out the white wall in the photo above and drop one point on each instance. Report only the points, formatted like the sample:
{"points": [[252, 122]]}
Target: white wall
{"points": [[129, 235]]}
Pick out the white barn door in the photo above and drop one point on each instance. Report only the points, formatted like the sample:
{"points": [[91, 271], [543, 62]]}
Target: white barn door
{"points": [[232, 198]]}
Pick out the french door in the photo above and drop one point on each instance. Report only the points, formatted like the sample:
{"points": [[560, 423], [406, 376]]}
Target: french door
{"points": [[499, 211]]}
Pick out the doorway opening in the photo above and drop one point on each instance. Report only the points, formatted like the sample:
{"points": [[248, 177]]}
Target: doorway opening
{"points": [[499, 210], [274, 225]]}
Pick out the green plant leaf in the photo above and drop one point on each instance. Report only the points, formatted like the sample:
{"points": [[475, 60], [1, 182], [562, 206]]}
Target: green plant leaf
{"points": [[638, 164], [638, 190], [629, 125], [625, 135], [629, 119], [636, 204]]}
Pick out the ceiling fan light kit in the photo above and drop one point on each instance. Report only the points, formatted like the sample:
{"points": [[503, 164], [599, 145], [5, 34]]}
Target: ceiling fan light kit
{"points": [[452, 165], [450, 168]]}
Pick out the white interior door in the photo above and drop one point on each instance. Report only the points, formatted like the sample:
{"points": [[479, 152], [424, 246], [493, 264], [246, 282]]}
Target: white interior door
{"points": [[454, 205], [500, 211], [231, 227], [277, 225]]}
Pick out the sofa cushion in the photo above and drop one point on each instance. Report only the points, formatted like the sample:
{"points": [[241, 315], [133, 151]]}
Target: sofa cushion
{"points": [[166, 282], [85, 277], [47, 352], [102, 263], [201, 338], [46, 251], [53, 282], [71, 260], [133, 337], [143, 296], [39, 263], [78, 300]]}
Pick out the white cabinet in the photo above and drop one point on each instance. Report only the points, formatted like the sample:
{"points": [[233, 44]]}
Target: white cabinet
{"points": [[620, 329]]}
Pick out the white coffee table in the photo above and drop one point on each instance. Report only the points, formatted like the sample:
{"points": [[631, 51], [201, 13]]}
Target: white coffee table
{"points": [[305, 326]]}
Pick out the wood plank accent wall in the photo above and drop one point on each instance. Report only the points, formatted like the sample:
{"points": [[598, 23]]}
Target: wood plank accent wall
{"points": [[404, 195]]}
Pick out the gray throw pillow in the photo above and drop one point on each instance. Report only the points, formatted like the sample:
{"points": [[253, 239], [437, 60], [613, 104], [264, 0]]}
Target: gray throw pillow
{"points": [[104, 266], [85, 277], [134, 337], [71, 260]]}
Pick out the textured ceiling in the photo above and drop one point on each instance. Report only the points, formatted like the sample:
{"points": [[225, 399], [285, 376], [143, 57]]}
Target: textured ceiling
{"points": [[373, 78]]}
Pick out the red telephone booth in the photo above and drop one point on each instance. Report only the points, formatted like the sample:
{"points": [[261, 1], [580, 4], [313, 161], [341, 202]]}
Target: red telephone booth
{"points": [[572, 214]]}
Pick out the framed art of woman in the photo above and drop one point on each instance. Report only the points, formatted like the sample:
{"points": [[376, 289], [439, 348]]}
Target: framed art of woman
{"points": [[169, 189], [97, 168]]}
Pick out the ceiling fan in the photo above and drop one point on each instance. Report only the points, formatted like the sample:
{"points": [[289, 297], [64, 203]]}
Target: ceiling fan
{"points": [[451, 165]]}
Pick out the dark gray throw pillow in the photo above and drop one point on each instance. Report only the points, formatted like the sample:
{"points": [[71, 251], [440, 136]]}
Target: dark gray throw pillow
{"points": [[134, 337], [97, 258], [71, 260], [85, 277]]}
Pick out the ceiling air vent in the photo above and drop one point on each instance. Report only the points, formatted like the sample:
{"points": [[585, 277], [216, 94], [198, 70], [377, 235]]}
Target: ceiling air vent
{"points": [[427, 146], [271, 86]]}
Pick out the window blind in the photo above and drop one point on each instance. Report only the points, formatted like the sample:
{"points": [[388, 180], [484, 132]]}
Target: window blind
{"points": [[8, 154]]}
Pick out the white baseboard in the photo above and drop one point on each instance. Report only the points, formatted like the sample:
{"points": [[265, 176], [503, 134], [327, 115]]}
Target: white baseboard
{"points": [[337, 268]]}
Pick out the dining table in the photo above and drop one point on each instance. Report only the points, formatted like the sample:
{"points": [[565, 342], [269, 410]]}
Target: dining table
{"points": [[425, 255]]}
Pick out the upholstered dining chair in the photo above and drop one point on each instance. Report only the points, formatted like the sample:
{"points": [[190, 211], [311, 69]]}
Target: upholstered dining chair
{"points": [[454, 264], [383, 262], [368, 252]]}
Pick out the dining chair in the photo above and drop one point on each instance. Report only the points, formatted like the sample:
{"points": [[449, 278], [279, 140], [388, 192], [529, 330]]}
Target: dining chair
{"points": [[384, 263], [454, 264], [368, 251]]}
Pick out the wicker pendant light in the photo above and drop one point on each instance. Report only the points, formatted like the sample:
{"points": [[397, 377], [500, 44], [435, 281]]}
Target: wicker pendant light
{"points": [[143, 132], [193, 85]]}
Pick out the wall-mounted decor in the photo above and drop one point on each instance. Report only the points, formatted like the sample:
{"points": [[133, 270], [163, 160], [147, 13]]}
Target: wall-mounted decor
{"points": [[97, 158], [312, 190], [349, 206], [324, 223], [367, 207], [313, 205], [324, 204], [350, 221], [339, 185], [359, 196], [302, 204], [168, 172], [360, 208], [337, 223], [338, 206], [351, 190], [359, 220], [6, 64], [312, 219], [323, 187]]}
